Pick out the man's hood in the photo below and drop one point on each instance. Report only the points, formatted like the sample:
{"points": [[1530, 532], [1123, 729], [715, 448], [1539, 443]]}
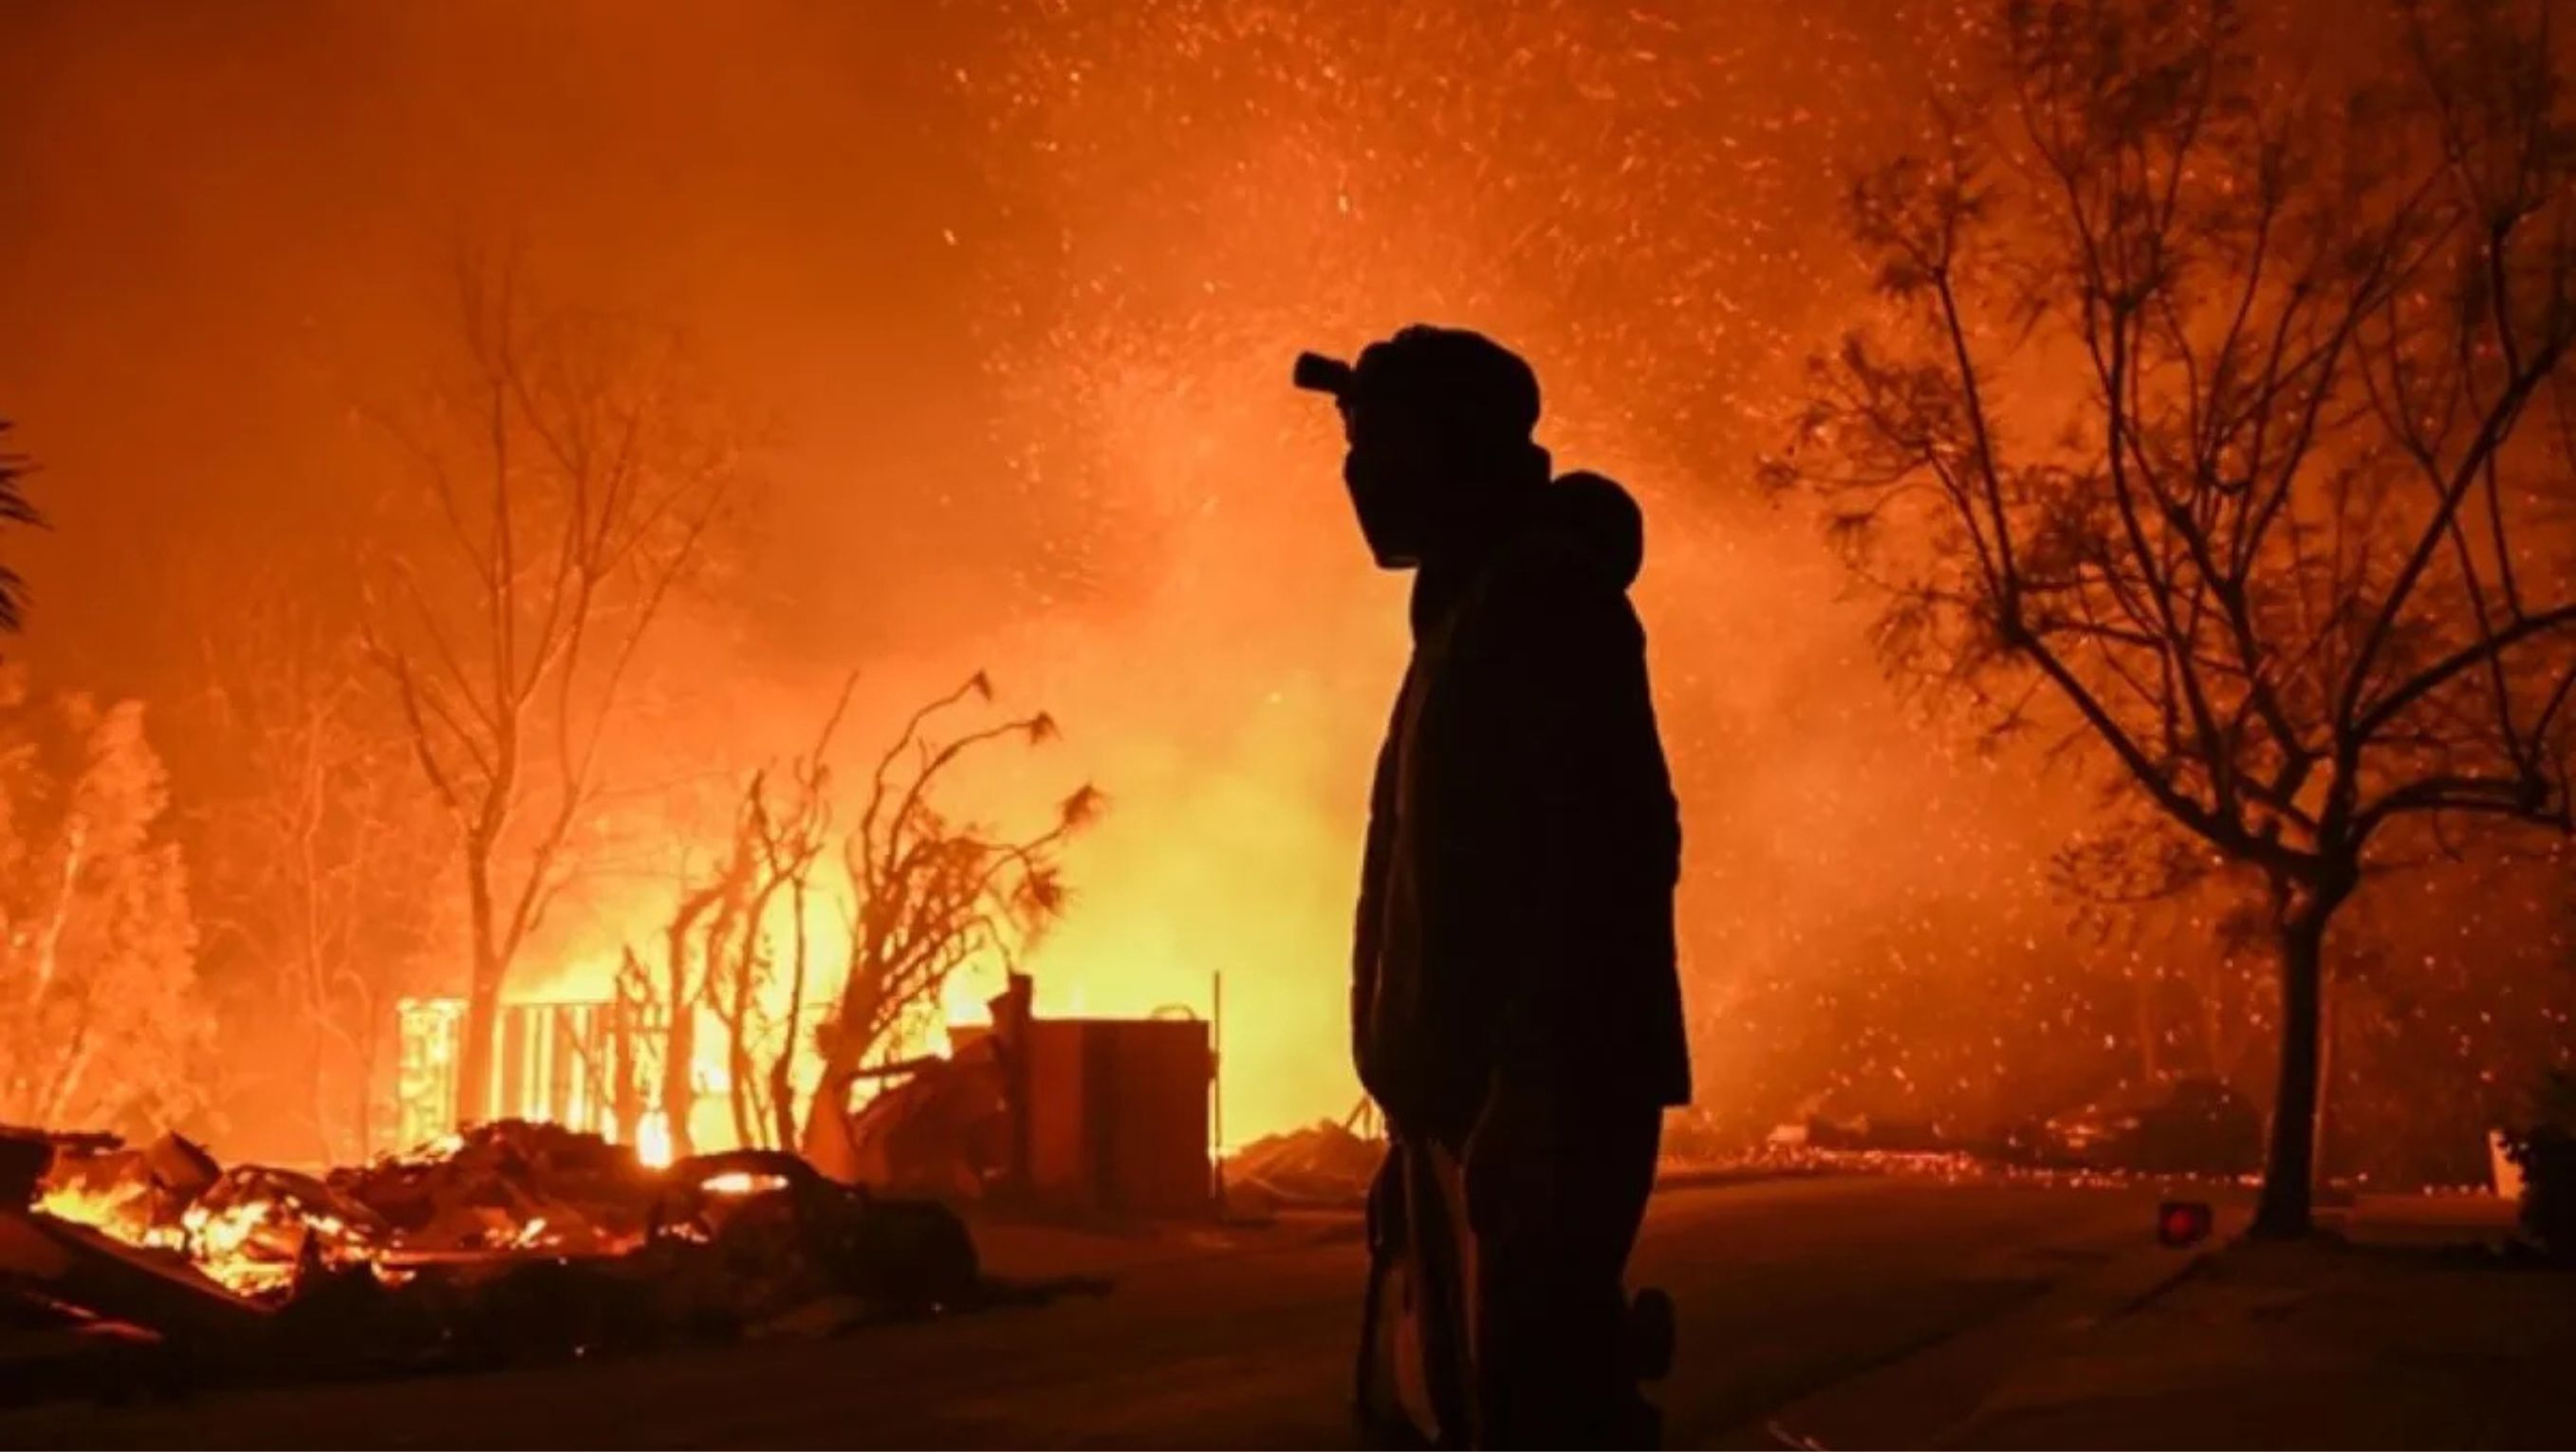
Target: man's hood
{"points": [[1598, 518]]}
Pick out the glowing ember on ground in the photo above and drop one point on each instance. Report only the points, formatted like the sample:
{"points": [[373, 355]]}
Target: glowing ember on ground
{"points": [[1946, 1166], [121, 1211], [224, 1244], [653, 1140], [250, 1245]]}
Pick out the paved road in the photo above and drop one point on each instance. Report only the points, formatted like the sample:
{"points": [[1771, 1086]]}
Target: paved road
{"points": [[1785, 1288]]}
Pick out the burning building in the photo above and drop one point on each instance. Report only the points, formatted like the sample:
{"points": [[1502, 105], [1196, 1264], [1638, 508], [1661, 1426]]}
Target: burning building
{"points": [[1102, 1115]]}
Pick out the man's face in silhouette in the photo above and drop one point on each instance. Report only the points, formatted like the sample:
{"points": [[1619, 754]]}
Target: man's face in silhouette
{"points": [[1398, 470], [1438, 421]]}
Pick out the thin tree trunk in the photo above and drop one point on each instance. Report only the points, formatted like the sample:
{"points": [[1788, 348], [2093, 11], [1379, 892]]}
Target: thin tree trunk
{"points": [[483, 998], [2329, 1063], [782, 1095], [749, 1114], [475, 1056], [719, 989], [634, 991], [826, 1141], [757, 1084], [2289, 1171], [680, 1043], [49, 949]]}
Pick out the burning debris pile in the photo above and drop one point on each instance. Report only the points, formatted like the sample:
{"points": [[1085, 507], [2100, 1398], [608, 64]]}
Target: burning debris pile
{"points": [[508, 1186], [513, 1242], [511, 1185], [1327, 1164]]}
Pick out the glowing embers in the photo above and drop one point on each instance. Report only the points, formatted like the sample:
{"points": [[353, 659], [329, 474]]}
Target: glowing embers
{"points": [[122, 1210], [257, 1229], [251, 1228], [653, 1139]]}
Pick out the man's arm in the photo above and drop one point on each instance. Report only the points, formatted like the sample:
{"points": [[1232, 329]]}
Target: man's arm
{"points": [[1368, 930], [1589, 833], [1582, 840]]}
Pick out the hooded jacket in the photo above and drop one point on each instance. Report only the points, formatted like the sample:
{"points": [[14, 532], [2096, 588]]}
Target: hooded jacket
{"points": [[1516, 900]]}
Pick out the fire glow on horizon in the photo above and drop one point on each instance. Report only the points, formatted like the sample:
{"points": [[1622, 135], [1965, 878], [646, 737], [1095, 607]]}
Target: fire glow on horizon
{"points": [[1018, 284]]}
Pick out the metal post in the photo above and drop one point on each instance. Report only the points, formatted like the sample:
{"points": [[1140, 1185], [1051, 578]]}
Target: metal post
{"points": [[1216, 1087]]}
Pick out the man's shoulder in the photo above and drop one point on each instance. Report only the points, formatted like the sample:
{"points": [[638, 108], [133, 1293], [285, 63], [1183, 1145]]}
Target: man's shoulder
{"points": [[1548, 587]]}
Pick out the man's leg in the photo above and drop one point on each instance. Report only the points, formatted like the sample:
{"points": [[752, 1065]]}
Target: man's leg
{"points": [[1414, 1380], [1554, 1361]]}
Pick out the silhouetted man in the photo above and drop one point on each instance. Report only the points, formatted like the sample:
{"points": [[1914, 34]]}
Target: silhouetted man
{"points": [[1515, 1008]]}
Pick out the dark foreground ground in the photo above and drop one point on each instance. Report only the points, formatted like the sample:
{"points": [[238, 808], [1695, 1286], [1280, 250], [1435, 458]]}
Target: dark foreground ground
{"points": [[1788, 1290]]}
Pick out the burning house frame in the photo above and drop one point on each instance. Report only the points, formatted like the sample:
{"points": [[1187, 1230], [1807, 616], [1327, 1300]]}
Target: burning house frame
{"points": [[583, 1064]]}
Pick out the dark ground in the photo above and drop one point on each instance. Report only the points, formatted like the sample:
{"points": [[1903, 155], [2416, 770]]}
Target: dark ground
{"points": [[1785, 1288], [2402, 1337]]}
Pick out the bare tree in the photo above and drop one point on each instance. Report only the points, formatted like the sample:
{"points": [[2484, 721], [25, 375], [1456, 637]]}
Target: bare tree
{"points": [[2269, 509], [566, 486], [738, 963], [681, 992], [782, 835], [795, 841], [930, 894], [313, 868], [720, 950]]}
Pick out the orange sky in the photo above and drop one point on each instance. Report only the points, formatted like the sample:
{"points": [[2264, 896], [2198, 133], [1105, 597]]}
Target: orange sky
{"points": [[1017, 284]]}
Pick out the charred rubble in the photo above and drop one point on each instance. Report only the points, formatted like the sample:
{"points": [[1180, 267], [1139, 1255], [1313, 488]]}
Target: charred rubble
{"points": [[127, 1269]]}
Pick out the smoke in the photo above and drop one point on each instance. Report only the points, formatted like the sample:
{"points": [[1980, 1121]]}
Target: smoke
{"points": [[1018, 284]]}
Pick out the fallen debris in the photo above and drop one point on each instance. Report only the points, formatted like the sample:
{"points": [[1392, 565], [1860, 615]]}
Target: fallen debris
{"points": [[1326, 1164], [510, 1184], [512, 1243], [72, 1265], [255, 1227]]}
